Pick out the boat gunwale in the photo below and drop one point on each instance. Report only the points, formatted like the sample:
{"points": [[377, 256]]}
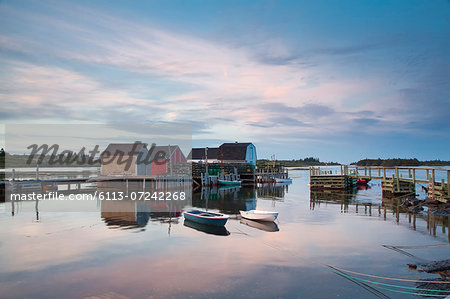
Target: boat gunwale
{"points": [[208, 217], [259, 212]]}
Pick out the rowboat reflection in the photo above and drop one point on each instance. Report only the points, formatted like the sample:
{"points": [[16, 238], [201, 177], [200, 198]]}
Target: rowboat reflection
{"points": [[209, 229], [265, 226]]}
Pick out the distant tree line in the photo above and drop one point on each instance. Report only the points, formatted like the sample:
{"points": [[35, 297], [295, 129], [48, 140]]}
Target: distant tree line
{"points": [[23, 161], [400, 162], [308, 161]]}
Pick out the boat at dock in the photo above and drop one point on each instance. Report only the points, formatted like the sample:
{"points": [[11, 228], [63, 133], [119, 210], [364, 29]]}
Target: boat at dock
{"points": [[205, 217], [282, 181], [360, 181], [229, 183], [259, 215]]}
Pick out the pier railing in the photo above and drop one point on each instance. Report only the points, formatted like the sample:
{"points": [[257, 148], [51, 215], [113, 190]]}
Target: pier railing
{"points": [[394, 179]]}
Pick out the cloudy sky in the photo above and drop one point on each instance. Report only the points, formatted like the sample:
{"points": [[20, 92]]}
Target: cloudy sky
{"points": [[339, 80]]}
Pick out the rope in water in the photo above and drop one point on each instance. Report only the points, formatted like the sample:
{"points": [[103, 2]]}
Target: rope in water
{"points": [[383, 277], [393, 290], [417, 246], [401, 291], [390, 285]]}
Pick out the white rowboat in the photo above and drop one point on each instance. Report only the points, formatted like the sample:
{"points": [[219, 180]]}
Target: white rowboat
{"points": [[259, 215]]}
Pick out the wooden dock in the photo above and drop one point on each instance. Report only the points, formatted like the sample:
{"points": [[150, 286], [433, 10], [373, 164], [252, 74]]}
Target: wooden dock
{"points": [[396, 181], [116, 182], [248, 174]]}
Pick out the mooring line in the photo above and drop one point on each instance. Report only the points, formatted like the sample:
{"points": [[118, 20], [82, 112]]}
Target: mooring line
{"points": [[364, 286], [383, 277], [391, 285], [417, 246], [405, 253]]}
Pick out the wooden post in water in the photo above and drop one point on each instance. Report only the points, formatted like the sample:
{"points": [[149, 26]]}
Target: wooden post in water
{"points": [[37, 172], [448, 185], [370, 172], [428, 175], [409, 173], [432, 182], [414, 176], [365, 171], [398, 179], [384, 173], [14, 175]]}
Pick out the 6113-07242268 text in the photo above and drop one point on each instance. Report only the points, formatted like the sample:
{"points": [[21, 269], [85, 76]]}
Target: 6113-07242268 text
{"points": [[110, 195]]}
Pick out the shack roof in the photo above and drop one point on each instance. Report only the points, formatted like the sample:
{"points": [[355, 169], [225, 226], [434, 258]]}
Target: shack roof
{"points": [[199, 153], [227, 151], [162, 152], [130, 149], [234, 151]]}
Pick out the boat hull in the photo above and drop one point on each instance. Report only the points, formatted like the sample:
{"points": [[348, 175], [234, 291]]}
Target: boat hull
{"points": [[362, 181], [283, 181], [229, 183], [219, 220], [259, 215]]}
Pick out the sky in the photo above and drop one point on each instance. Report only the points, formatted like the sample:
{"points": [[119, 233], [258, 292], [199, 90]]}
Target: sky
{"points": [[338, 80]]}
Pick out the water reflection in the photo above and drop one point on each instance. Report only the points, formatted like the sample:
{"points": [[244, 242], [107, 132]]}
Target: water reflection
{"points": [[125, 214], [332, 197], [265, 226], [226, 200], [134, 214], [273, 191], [2, 191], [209, 229], [385, 207]]}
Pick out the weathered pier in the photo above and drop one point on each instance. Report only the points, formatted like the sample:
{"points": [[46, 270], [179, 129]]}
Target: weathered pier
{"points": [[395, 181], [76, 184]]}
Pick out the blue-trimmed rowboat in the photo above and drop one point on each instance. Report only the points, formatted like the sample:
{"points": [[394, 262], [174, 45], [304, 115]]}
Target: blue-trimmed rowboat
{"points": [[229, 183], [204, 217]]}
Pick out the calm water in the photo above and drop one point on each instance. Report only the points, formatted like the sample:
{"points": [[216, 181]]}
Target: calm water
{"points": [[153, 252]]}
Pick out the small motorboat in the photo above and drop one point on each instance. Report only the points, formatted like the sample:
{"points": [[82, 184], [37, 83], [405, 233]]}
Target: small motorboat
{"points": [[205, 217], [282, 181], [360, 181], [229, 183], [259, 215]]}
